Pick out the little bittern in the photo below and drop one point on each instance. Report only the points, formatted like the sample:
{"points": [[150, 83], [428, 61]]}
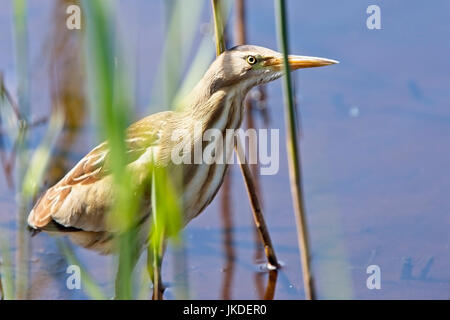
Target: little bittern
{"points": [[79, 202]]}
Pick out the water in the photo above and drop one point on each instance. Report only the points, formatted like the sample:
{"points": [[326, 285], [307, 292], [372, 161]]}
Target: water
{"points": [[375, 156]]}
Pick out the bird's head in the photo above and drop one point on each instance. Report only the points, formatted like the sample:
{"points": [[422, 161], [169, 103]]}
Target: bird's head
{"points": [[246, 66]]}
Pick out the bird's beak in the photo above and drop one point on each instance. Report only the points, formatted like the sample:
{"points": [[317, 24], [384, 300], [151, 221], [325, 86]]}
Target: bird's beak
{"points": [[299, 62]]}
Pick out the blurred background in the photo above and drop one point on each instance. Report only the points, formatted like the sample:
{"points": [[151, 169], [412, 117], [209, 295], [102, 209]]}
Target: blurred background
{"points": [[375, 132]]}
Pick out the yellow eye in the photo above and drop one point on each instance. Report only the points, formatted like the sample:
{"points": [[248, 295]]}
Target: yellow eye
{"points": [[251, 60]]}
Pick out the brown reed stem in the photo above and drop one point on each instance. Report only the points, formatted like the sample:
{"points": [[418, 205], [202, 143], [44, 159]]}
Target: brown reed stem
{"points": [[246, 172], [256, 206]]}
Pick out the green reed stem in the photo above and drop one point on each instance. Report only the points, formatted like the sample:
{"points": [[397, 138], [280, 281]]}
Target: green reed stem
{"points": [[109, 96], [293, 151], [112, 100], [6, 269], [218, 26], [23, 243]]}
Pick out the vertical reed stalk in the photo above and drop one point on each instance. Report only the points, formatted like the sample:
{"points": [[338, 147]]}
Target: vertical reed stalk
{"points": [[241, 38], [246, 172], [240, 29], [110, 95], [6, 269], [226, 206], [294, 154], [256, 207], [227, 219], [218, 26], [21, 46]]}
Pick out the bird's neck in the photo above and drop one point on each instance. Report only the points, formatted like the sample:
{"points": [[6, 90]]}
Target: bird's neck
{"points": [[222, 109]]}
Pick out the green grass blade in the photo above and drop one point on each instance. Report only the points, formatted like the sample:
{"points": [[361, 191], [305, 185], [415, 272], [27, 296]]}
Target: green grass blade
{"points": [[6, 268], [294, 153], [21, 53], [41, 157], [109, 95], [183, 20]]}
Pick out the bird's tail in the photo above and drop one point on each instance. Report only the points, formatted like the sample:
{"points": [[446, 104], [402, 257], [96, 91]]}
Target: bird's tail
{"points": [[33, 231]]}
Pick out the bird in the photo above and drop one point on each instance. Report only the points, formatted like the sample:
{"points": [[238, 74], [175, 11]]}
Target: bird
{"points": [[79, 203]]}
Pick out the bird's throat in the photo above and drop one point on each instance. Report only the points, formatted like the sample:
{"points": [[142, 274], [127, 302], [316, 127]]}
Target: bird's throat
{"points": [[223, 110]]}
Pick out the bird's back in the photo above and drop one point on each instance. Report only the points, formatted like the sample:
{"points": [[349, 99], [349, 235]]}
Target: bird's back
{"points": [[83, 197]]}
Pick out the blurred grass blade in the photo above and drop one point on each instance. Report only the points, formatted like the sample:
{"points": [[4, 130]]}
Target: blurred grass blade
{"points": [[41, 157], [110, 96], [196, 70], [167, 221], [21, 51], [35, 172], [167, 210], [6, 268], [201, 62], [183, 18], [294, 153]]}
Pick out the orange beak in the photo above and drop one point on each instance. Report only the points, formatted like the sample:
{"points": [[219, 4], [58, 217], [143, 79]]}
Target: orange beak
{"points": [[300, 62]]}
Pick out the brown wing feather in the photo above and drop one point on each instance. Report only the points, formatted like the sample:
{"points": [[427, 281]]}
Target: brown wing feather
{"points": [[91, 169]]}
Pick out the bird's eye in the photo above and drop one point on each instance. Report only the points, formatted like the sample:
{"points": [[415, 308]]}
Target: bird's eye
{"points": [[251, 60]]}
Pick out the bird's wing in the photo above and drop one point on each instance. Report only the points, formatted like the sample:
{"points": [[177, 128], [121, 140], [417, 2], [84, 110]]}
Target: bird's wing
{"points": [[81, 199]]}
